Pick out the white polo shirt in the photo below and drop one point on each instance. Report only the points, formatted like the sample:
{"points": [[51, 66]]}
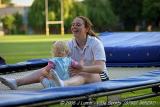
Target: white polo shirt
{"points": [[92, 51]]}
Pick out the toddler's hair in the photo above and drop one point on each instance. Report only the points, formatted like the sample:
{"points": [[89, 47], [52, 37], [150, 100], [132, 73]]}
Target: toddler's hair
{"points": [[61, 46]]}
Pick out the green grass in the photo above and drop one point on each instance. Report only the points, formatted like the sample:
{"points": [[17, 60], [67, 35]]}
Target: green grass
{"points": [[33, 38], [149, 102], [20, 48]]}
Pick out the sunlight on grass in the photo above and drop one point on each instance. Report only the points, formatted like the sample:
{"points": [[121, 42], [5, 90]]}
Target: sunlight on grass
{"points": [[34, 38]]}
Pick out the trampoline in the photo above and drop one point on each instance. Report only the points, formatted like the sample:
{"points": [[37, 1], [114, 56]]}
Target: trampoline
{"points": [[84, 92], [134, 56]]}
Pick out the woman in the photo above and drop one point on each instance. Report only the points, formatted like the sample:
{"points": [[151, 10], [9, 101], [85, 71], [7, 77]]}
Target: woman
{"points": [[86, 49]]}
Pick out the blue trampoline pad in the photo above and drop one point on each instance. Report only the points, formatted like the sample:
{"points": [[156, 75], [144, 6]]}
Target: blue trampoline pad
{"points": [[20, 97]]}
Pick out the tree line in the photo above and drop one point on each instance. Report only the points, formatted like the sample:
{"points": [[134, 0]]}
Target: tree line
{"points": [[106, 15]]}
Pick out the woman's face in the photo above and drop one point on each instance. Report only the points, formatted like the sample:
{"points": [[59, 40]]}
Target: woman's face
{"points": [[78, 28]]}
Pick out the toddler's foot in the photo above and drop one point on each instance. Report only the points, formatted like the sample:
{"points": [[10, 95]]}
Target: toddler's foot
{"points": [[56, 78], [47, 83]]}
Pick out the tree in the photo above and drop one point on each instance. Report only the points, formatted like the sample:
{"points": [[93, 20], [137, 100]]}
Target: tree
{"points": [[151, 13], [19, 27], [129, 12], [101, 14], [36, 16], [71, 9], [13, 24], [8, 22], [6, 1]]}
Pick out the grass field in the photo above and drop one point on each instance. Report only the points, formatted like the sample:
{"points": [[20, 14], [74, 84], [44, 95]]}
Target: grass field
{"points": [[20, 48]]}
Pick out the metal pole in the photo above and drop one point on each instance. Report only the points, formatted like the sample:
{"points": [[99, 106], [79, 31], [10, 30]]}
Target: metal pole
{"points": [[62, 19], [46, 12]]}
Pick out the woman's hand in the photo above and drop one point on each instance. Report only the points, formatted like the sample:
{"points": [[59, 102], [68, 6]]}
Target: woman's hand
{"points": [[76, 68], [97, 67]]}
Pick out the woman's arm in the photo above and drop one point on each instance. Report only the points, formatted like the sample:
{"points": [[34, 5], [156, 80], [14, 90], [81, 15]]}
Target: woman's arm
{"points": [[97, 67]]}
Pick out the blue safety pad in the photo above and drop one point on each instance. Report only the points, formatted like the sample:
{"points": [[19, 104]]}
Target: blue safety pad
{"points": [[26, 65], [131, 48], [19, 97]]}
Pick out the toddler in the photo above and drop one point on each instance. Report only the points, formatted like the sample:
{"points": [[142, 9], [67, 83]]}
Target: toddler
{"points": [[57, 68]]}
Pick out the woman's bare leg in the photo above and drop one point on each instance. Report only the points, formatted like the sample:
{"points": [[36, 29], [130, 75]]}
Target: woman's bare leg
{"points": [[31, 78], [75, 80], [82, 78]]}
